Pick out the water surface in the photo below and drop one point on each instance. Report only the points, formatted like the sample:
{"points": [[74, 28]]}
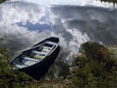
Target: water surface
{"points": [[25, 22]]}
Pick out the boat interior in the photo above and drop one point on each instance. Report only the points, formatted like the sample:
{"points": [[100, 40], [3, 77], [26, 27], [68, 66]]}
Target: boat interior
{"points": [[34, 55]]}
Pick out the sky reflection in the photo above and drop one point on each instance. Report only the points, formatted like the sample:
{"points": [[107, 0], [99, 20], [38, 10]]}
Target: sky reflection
{"points": [[22, 24], [38, 26], [26, 22], [96, 3]]}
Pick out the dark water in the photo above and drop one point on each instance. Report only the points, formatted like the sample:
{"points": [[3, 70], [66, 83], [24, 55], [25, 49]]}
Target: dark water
{"points": [[24, 23]]}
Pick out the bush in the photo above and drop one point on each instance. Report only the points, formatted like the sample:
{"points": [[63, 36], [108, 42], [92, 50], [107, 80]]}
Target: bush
{"points": [[96, 51], [96, 68]]}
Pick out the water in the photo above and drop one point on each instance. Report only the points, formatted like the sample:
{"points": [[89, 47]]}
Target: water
{"points": [[25, 22]]}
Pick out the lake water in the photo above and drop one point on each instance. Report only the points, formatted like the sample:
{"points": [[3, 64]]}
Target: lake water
{"points": [[25, 22]]}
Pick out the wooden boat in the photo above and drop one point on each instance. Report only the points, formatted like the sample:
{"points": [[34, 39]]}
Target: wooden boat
{"points": [[37, 60]]}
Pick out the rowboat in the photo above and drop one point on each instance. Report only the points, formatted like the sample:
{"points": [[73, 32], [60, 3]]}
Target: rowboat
{"points": [[37, 60]]}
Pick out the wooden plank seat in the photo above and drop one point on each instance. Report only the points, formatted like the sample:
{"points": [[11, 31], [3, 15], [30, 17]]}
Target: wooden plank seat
{"points": [[40, 53], [31, 59]]}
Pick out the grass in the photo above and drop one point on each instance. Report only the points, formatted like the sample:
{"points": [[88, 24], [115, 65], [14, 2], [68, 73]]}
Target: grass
{"points": [[10, 78]]}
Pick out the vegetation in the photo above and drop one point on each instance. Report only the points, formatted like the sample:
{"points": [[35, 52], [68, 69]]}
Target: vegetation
{"points": [[112, 1], [10, 78], [96, 67]]}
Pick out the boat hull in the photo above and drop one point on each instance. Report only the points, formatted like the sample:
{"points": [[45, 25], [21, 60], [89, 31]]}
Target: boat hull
{"points": [[40, 69]]}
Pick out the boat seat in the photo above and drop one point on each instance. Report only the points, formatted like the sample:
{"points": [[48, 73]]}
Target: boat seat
{"points": [[39, 57], [50, 43], [41, 53], [46, 50], [31, 59], [28, 63], [46, 47]]}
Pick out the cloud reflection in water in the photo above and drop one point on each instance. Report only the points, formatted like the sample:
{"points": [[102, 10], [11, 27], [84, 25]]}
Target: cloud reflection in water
{"points": [[26, 23], [19, 37], [76, 24]]}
